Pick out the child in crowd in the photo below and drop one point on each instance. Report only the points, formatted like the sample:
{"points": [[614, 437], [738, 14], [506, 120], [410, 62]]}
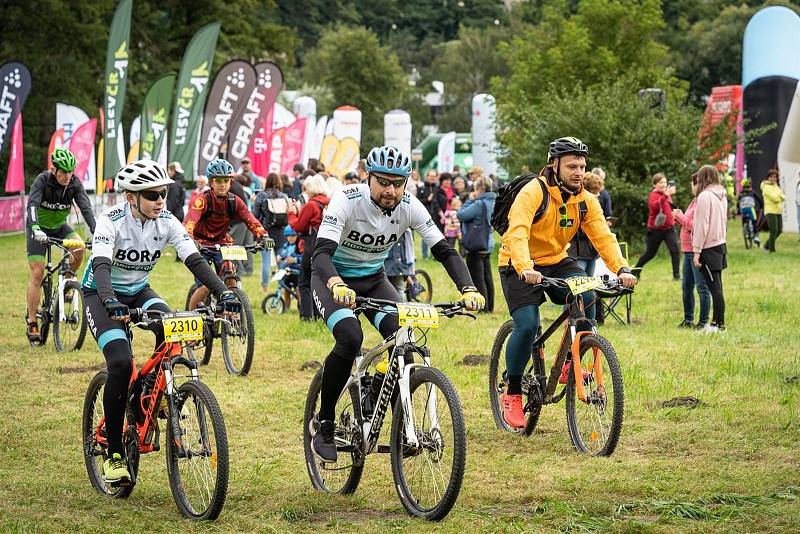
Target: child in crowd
{"points": [[452, 226]]}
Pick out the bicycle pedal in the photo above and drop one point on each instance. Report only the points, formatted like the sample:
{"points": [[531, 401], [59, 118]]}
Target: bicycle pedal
{"points": [[384, 449]]}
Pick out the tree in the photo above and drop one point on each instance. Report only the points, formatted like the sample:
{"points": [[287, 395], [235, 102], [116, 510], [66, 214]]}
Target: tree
{"points": [[359, 71]]}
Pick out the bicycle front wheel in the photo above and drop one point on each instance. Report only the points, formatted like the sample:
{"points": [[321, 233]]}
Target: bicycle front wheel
{"points": [[428, 477], [238, 338], [95, 441], [272, 304], [595, 422], [197, 470], [344, 475], [69, 331]]}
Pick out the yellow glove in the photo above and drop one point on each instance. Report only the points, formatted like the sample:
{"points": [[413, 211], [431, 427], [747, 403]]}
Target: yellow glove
{"points": [[343, 295], [472, 300]]}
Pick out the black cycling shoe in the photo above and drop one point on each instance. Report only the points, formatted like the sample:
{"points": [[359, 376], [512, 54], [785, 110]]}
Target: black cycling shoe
{"points": [[686, 324], [322, 444]]}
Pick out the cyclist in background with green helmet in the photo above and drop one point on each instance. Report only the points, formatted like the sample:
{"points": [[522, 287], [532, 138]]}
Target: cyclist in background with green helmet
{"points": [[49, 203]]}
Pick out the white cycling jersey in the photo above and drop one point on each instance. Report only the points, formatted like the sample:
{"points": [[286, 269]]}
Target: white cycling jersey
{"points": [[134, 247], [365, 234]]}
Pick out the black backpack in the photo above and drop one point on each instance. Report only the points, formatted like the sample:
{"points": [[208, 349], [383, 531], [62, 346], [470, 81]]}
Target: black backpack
{"points": [[231, 205], [507, 193], [275, 212], [505, 198]]}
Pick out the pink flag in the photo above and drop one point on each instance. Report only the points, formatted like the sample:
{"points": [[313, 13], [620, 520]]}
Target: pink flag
{"points": [[276, 143], [56, 141], [259, 147], [82, 144], [293, 139], [15, 180]]}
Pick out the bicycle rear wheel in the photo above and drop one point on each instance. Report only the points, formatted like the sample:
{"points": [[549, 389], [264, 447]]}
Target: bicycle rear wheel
{"points": [[343, 476], [498, 384], [748, 235], [238, 338], [198, 474], [272, 304], [69, 333], [428, 477], [94, 447], [595, 424]]}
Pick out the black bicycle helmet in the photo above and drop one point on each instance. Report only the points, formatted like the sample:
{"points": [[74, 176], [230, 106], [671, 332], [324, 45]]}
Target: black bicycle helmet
{"points": [[567, 145]]}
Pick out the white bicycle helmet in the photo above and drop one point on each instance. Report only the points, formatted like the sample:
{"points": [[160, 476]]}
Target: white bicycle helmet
{"points": [[140, 175]]}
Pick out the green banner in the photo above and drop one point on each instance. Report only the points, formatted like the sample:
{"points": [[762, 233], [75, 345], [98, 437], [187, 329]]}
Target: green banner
{"points": [[190, 97], [116, 77], [155, 112]]}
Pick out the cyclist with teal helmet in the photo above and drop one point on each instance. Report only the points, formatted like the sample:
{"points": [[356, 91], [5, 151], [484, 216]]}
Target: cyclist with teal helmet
{"points": [[359, 227], [49, 203]]}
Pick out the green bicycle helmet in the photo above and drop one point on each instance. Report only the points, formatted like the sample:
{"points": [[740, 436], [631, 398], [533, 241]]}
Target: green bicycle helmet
{"points": [[63, 159]]}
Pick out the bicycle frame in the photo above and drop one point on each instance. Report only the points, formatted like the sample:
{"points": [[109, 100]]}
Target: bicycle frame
{"points": [[398, 374], [572, 316], [63, 269]]}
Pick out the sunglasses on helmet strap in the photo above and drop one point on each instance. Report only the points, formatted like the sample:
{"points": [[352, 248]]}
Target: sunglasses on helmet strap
{"points": [[152, 196]]}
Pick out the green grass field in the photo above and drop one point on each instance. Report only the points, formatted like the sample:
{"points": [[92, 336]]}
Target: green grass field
{"points": [[730, 464]]}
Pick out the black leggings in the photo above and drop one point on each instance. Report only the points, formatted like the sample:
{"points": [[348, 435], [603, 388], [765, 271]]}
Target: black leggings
{"points": [[775, 222], [112, 338], [347, 332], [306, 305], [480, 269], [653, 241], [714, 280]]}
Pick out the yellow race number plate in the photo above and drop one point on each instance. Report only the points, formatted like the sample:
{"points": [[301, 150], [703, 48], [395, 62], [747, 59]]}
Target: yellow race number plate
{"points": [[582, 284], [420, 315], [233, 253], [183, 326]]}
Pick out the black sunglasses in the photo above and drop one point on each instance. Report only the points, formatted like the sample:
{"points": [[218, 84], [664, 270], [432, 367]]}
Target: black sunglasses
{"points": [[385, 182], [152, 196]]}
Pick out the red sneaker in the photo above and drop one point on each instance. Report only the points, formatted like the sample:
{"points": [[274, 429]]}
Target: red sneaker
{"points": [[512, 411], [566, 370]]}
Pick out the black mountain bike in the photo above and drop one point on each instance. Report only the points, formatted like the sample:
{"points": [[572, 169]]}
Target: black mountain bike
{"points": [[428, 444], [62, 301], [593, 388], [748, 232]]}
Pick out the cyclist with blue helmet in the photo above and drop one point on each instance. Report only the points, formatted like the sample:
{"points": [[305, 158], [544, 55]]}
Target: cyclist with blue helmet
{"points": [[359, 227], [210, 215]]}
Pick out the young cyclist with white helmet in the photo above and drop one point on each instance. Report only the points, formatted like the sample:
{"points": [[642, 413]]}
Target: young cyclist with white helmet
{"points": [[49, 204], [128, 242], [359, 227]]}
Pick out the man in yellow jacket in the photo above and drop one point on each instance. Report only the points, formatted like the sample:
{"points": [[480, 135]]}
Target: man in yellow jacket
{"points": [[536, 246]]}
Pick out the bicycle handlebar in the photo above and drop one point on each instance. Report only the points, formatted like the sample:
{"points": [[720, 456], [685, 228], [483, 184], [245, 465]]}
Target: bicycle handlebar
{"points": [[68, 244], [448, 309], [146, 318], [216, 247], [609, 284]]}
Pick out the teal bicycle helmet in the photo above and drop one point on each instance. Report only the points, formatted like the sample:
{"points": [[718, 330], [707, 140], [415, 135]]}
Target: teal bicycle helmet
{"points": [[219, 167], [389, 160]]}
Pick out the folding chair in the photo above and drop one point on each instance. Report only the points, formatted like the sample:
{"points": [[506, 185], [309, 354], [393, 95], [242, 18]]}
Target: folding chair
{"points": [[612, 300]]}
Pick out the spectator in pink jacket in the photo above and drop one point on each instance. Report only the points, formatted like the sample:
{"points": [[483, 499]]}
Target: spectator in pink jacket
{"points": [[661, 224], [708, 239], [691, 277]]}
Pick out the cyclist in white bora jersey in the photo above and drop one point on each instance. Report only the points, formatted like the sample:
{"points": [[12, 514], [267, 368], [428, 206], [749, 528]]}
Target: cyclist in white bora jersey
{"points": [[359, 227], [128, 241]]}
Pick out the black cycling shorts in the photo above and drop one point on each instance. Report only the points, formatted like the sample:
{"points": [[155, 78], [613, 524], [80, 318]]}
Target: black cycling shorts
{"points": [[36, 250], [375, 286], [519, 294], [104, 328]]}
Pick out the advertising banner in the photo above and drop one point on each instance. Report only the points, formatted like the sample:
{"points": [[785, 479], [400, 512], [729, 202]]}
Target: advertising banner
{"points": [[276, 150], [305, 107], [12, 213], [190, 97], [82, 145], [15, 177], [293, 140], [244, 127], [134, 138], [330, 146], [68, 120], [317, 138], [229, 92], [115, 81], [484, 142], [397, 130], [446, 152], [155, 115], [347, 123], [15, 79], [259, 148], [346, 158]]}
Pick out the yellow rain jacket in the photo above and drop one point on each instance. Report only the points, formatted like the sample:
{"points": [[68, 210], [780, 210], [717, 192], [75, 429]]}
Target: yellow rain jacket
{"points": [[545, 242]]}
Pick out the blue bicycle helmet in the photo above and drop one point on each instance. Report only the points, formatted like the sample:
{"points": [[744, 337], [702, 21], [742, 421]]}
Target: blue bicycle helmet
{"points": [[389, 160], [288, 230], [219, 167]]}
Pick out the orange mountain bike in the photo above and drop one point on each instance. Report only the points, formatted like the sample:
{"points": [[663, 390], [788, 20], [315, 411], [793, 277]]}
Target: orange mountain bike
{"points": [[167, 388], [593, 382]]}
